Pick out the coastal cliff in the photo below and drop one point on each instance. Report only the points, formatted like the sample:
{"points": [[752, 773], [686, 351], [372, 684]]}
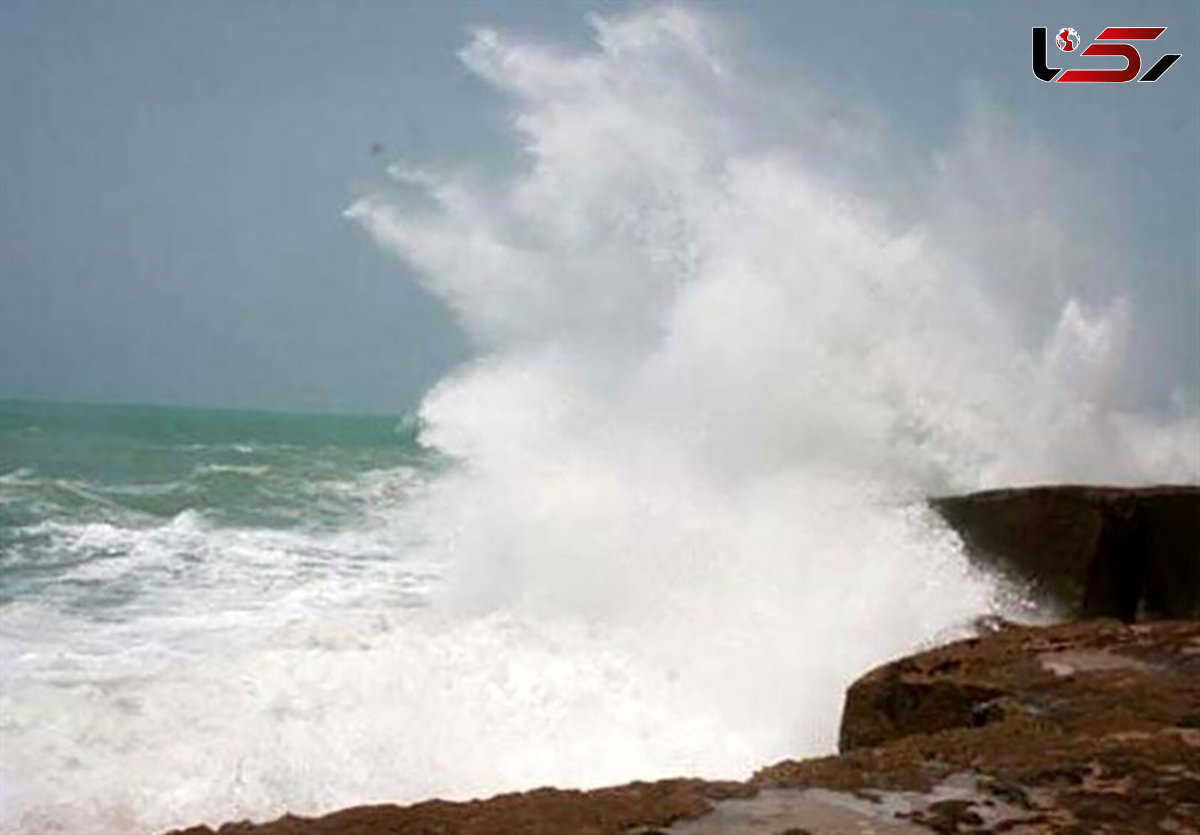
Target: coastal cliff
{"points": [[1127, 553], [1090, 726]]}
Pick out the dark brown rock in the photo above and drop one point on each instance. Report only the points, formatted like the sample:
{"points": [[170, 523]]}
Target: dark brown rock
{"points": [[640, 807], [899, 703], [1120, 552], [1095, 736], [1091, 675]]}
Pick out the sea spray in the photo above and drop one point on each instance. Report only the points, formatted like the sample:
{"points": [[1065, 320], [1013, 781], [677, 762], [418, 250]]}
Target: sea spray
{"points": [[680, 505], [718, 371]]}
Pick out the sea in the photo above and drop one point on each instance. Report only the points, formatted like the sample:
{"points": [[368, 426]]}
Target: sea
{"points": [[136, 539], [729, 334], [208, 615]]}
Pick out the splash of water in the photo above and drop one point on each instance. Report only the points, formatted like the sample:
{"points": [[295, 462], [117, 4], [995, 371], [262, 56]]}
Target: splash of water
{"points": [[718, 371], [682, 271]]}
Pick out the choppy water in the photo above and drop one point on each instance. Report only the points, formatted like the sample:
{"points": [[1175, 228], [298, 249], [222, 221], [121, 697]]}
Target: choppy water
{"points": [[103, 506], [137, 541], [206, 615], [676, 502]]}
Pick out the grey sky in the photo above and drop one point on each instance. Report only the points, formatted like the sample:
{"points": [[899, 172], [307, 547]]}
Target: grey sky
{"points": [[172, 174]]}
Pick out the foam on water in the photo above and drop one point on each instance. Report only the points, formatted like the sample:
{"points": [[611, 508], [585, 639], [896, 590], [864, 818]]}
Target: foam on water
{"points": [[717, 372]]}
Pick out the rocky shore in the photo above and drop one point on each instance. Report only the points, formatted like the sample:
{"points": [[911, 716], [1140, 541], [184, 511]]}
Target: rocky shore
{"points": [[1090, 551], [1089, 726]]}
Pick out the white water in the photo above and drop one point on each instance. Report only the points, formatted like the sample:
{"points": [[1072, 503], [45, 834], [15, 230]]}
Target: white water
{"points": [[716, 373]]}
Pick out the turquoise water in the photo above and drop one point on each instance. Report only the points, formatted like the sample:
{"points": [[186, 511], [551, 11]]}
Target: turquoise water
{"points": [[149, 554], [65, 467], [138, 466]]}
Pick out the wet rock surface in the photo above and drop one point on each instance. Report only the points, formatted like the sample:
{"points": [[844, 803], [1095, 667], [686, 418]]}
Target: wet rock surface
{"points": [[637, 807], [1090, 727], [1127, 553]]}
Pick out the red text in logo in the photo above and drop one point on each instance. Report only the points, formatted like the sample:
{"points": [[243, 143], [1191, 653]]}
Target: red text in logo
{"points": [[1115, 44]]}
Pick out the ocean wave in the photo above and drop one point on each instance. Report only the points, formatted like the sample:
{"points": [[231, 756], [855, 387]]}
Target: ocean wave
{"points": [[20, 475]]}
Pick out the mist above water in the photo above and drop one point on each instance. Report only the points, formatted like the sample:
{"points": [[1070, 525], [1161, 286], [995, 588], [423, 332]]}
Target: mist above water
{"points": [[725, 350], [746, 282]]}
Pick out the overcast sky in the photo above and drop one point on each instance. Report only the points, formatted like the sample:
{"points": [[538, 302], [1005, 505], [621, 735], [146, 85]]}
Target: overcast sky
{"points": [[172, 174]]}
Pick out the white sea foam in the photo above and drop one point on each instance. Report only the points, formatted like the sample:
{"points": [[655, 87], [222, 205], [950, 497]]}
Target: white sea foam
{"points": [[716, 374], [235, 469], [20, 475]]}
